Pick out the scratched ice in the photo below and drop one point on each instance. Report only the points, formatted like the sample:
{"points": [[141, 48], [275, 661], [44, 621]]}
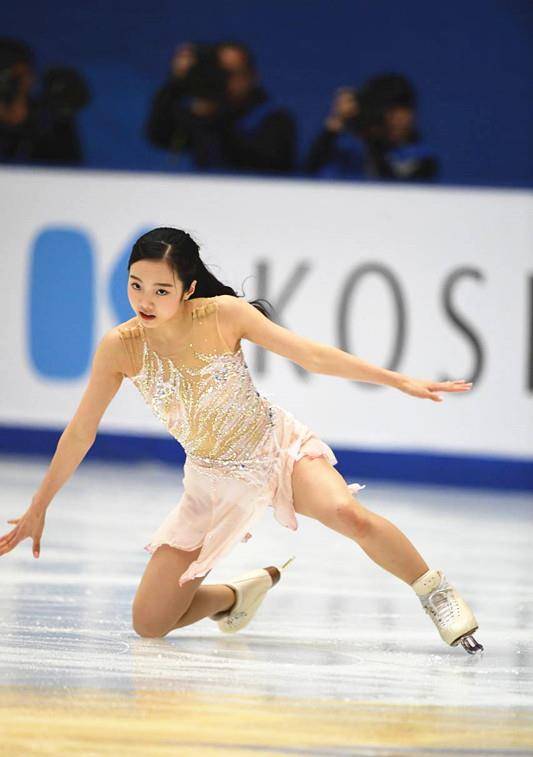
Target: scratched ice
{"points": [[336, 626]]}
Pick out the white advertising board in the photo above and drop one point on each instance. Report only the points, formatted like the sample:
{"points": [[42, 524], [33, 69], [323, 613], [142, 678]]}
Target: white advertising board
{"points": [[432, 282]]}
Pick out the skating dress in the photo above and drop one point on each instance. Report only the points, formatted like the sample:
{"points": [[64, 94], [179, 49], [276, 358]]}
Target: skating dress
{"points": [[240, 447]]}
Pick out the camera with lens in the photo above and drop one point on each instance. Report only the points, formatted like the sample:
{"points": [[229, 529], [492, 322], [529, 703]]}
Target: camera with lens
{"points": [[64, 92], [205, 79], [379, 94]]}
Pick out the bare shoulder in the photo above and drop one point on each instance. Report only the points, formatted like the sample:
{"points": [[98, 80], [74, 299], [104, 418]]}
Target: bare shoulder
{"points": [[131, 326], [239, 311], [234, 313], [110, 351], [231, 305], [248, 322]]}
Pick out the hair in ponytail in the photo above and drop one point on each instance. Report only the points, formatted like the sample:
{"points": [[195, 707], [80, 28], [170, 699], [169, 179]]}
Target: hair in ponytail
{"points": [[182, 254]]}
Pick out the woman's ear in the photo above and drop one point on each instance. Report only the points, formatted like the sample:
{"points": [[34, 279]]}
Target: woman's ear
{"points": [[192, 288]]}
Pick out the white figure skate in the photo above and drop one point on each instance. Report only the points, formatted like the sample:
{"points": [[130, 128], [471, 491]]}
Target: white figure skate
{"points": [[250, 590], [455, 621]]}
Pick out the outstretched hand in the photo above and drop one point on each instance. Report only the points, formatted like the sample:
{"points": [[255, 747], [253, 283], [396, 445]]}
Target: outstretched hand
{"points": [[428, 389], [30, 524]]}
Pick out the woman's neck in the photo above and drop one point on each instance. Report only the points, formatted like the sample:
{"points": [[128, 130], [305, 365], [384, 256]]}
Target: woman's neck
{"points": [[172, 334]]}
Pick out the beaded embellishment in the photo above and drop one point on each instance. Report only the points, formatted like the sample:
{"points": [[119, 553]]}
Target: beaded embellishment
{"points": [[207, 400]]}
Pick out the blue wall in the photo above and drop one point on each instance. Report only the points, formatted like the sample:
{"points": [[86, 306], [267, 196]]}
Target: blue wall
{"points": [[472, 62]]}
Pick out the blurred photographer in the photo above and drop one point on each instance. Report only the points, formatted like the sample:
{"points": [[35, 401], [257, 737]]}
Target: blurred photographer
{"points": [[388, 126], [371, 133], [338, 151], [213, 113], [42, 128], [185, 112], [258, 133]]}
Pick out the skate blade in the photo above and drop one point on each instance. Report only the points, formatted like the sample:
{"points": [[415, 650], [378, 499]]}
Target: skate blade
{"points": [[286, 564], [470, 645], [275, 572]]}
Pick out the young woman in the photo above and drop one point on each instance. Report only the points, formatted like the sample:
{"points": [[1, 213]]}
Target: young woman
{"points": [[243, 453]]}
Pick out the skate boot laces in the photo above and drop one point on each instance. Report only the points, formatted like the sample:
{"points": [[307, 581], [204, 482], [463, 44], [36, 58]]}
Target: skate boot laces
{"points": [[441, 604], [447, 609]]}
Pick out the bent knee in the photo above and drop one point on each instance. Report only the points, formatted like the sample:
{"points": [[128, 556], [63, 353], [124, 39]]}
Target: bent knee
{"points": [[353, 516], [148, 631], [145, 626]]}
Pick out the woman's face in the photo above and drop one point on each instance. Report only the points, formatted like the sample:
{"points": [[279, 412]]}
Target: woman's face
{"points": [[154, 289]]}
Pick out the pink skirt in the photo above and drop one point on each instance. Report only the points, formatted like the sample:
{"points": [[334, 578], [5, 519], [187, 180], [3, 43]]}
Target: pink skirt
{"points": [[218, 508]]}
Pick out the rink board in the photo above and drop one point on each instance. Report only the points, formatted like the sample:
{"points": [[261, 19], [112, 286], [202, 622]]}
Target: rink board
{"points": [[481, 472], [432, 282]]}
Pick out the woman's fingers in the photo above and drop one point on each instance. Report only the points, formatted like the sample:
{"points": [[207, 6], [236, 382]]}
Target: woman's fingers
{"points": [[460, 385], [28, 525], [427, 389], [8, 545], [451, 386], [8, 535]]}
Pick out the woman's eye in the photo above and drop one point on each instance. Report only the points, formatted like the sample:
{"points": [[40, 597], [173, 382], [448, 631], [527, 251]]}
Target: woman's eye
{"points": [[135, 285]]}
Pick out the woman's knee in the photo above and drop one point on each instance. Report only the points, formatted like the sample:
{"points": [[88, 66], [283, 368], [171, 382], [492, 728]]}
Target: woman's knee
{"points": [[147, 632], [145, 625], [159, 603], [148, 622], [354, 519]]}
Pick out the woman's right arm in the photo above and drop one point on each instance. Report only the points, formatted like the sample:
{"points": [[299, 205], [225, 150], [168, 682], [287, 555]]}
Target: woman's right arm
{"points": [[75, 441]]}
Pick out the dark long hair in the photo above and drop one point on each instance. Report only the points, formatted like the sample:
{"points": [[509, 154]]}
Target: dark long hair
{"points": [[182, 254]]}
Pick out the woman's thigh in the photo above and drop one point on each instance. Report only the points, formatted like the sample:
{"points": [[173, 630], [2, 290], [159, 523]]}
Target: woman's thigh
{"points": [[320, 492], [159, 601]]}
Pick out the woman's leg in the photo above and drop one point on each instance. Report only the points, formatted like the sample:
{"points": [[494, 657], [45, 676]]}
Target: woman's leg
{"points": [[161, 605], [320, 492]]}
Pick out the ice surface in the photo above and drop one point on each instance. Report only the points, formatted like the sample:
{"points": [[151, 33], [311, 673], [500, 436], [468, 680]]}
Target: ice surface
{"points": [[337, 624]]}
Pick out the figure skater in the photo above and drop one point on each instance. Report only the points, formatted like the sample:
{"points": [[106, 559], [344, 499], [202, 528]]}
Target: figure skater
{"points": [[182, 350]]}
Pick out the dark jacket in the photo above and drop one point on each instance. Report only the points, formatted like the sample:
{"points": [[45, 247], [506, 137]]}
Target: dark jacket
{"points": [[335, 154], [412, 161], [259, 136], [41, 138]]}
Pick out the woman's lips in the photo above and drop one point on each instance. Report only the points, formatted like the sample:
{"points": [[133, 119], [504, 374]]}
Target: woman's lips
{"points": [[144, 315]]}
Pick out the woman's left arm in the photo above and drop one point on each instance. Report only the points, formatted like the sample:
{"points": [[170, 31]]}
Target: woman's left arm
{"points": [[248, 323]]}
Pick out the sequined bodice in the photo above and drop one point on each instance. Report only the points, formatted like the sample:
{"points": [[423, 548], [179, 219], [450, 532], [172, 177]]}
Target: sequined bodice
{"points": [[204, 394]]}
